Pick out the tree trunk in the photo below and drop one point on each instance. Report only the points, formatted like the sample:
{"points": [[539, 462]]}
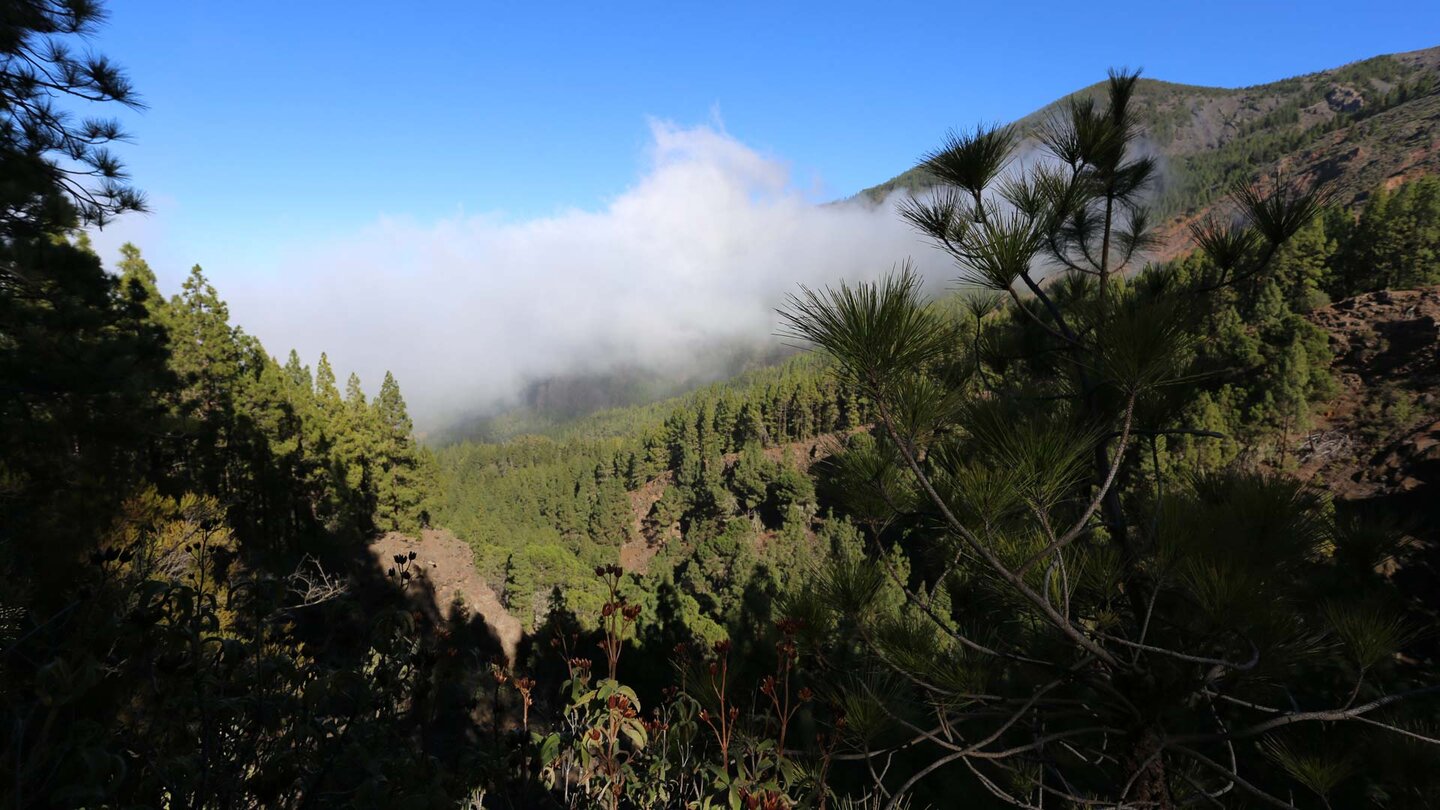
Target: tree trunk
{"points": [[1150, 786]]}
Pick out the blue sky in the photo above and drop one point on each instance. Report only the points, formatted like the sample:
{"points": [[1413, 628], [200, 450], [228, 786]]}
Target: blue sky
{"points": [[474, 193], [271, 121]]}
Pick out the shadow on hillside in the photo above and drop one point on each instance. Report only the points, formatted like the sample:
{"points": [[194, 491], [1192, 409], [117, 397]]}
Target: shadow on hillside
{"points": [[452, 650], [1417, 573]]}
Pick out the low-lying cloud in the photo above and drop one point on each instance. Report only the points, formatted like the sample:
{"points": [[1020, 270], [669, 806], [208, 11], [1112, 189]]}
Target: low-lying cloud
{"points": [[466, 310]]}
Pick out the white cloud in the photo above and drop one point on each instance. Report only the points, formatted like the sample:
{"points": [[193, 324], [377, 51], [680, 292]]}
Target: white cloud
{"points": [[464, 310]]}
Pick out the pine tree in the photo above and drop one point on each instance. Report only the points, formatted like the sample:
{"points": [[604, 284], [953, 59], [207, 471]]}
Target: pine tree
{"points": [[748, 425], [298, 374], [353, 455], [316, 501], [609, 522], [206, 357], [1302, 267], [683, 446], [84, 369], [722, 424], [1116, 639], [59, 172], [390, 407], [510, 595], [1291, 392], [325, 389], [139, 281], [750, 478], [1395, 243], [399, 490], [634, 477], [272, 451], [151, 648]]}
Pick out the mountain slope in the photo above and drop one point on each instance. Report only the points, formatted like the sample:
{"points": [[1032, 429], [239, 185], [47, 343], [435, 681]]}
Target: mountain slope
{"points": [[1375, 447], [1379, 437], [1356, 128], [581, 401], [1353, 128]]}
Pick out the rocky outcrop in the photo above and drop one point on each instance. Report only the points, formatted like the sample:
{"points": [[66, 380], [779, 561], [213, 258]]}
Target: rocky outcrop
{"points": [[444, 567], [1379, 436], [1344, 98]]}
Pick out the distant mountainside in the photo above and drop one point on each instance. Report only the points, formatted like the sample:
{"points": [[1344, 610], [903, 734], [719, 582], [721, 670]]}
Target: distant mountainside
{"points": [[556, 405], [1354, 128]]}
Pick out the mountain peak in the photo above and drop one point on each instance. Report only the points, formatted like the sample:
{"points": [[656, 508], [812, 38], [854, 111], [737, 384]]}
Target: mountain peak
{"points": [[1352, 128]]}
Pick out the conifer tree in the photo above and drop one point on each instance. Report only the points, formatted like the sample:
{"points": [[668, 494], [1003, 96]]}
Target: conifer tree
{"points": [[84, 368], [206, 357], [270, 459], [609, 522], [356, 436], [390, 407], [148, 657], [135, 272], [722, 423], [81, 362], [750, 478], [326, 390], [1117, 638], [312, 473], [400, 489], [58, 172], [748, 426], [354, 393], [634, 477], [298, 374], [1396, 243], [1303, 266]]}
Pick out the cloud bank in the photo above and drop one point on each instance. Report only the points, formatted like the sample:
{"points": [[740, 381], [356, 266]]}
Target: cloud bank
{"points": [[465, 311]]}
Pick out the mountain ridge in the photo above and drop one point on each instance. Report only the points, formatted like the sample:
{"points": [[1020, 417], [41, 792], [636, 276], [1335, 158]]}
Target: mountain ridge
{"points": [[1353, 128]]}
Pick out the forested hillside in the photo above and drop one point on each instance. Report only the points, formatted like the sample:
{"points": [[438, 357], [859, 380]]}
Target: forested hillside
{"points": [[179, 511], [692, 483], [1355, 128], [180, 516], [1095, 530], [544, 511], [552, 405]]}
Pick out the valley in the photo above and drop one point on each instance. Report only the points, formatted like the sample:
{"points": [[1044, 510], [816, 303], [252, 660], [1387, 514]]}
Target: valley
{"points": [[1135, 507]]}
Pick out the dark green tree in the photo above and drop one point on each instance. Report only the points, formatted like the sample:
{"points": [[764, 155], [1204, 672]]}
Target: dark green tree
{"points": [[153, 652], [609, 521], [326, 390], [1395, 243], [57, 171], [79, 360], [83, 369], [401, 495], [750, 477], [353, 458], [135, 273], [207, 359], [1113, 637]]}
